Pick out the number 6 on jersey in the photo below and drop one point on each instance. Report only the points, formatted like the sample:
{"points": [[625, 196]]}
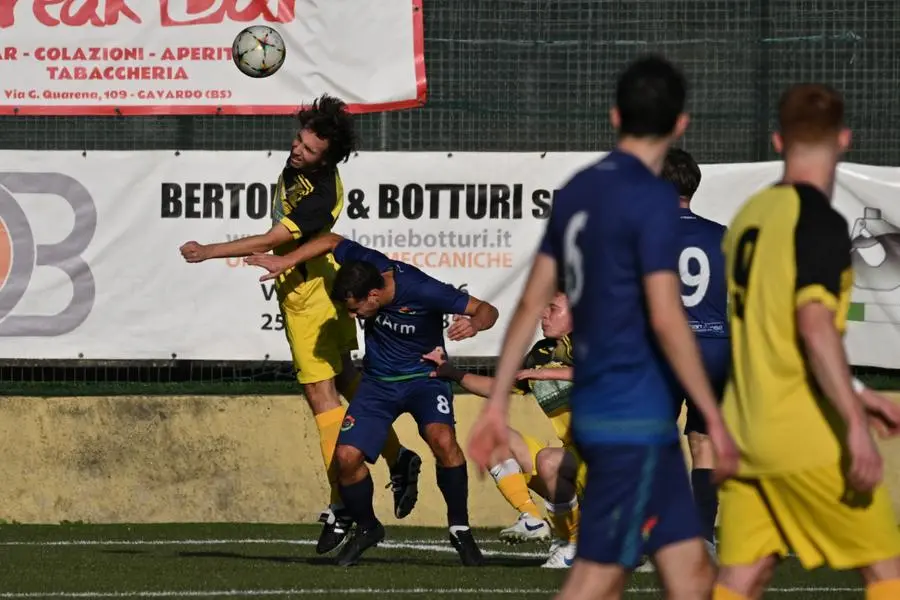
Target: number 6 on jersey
{"points": [[574, 263]]}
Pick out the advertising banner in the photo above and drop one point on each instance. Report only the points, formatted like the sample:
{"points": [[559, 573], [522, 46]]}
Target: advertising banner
{"points": [[90, 267], [133, 57]]}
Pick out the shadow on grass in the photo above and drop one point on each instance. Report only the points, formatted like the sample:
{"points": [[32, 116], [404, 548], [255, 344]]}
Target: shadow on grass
{"points": [[377, 560]]}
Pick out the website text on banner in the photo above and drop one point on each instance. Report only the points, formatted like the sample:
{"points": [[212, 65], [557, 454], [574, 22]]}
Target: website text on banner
{"points": [[89, 265], [174, 56]]}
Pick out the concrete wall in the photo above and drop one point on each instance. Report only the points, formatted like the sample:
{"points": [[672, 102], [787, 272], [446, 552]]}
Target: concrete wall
{"points": [[219, 459]]}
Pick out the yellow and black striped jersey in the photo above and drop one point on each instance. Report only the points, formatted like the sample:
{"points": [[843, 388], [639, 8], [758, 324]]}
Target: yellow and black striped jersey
{"points": [[551, 395], [307, 204], [785, 248]]}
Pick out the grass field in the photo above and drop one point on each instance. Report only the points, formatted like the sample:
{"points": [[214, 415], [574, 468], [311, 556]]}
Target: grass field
{"points": [[259, 561]]}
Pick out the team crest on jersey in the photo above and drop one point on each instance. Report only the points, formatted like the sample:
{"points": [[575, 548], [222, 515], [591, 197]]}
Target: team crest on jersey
{"points": [[647, 529], [348, 423], [406, 310]]}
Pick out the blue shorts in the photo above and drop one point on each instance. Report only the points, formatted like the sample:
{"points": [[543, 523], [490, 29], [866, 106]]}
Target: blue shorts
{"points": [[377, 404], [637, 500], [716, 355]]}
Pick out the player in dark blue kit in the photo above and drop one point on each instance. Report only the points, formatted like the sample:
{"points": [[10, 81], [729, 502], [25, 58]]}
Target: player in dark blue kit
{"points": [[612, 242], [404, 312], [701, 266]]}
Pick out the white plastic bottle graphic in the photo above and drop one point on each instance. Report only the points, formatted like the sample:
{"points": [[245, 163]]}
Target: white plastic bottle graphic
{"points": [[875, 255], [875, 252]]}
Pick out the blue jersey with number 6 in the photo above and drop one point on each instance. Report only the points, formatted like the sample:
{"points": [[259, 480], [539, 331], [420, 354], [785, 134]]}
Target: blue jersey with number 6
{"points": [[611, 225], [701, 266]]}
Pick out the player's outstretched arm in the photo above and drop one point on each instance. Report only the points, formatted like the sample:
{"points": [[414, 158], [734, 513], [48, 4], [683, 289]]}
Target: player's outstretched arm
{"points": [[670, 324], [828, 362], [547, 374], [276, 265], [480, 385], [491, 430], [194, 252], [481, 316]]}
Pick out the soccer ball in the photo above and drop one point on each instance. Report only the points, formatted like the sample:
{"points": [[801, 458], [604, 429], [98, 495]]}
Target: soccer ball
{"points": [[258, 51]]}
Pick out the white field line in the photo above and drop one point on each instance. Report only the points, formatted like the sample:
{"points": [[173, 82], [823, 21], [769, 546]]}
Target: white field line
{"points": [[357, 592], [422, 545]]}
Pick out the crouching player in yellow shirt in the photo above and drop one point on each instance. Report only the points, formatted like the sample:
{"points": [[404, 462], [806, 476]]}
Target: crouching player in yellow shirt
{"points": [[308, 200], [810, 474], [556, 474]]}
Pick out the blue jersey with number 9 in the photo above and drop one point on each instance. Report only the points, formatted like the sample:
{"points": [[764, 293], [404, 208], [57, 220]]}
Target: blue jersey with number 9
{"points": [[611, 225], [701, 266]]}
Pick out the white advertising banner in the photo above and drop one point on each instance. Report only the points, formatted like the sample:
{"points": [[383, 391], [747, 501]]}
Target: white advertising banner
{"points": [[90, 267], [80, 57]]}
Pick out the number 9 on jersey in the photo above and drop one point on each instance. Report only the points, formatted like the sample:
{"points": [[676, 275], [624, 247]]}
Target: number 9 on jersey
{"points": [[693, 268]]}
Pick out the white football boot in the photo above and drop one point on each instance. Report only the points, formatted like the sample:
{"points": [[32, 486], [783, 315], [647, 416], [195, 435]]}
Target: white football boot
{"points": [[526, 529], [562, 555], [647, 567]]}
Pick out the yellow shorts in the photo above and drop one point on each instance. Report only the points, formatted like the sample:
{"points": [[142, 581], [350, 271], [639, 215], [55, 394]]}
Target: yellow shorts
{"points": [[810, 513], [319, 333], [534, 446]]}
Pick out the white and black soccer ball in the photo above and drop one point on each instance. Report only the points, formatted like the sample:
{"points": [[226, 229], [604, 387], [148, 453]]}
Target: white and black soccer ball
{"points": [[258, 51]]}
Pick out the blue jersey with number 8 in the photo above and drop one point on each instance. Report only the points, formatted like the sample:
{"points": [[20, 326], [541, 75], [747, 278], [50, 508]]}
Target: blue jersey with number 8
{"points": [[412, 324], [701, 266], [611, 225]]}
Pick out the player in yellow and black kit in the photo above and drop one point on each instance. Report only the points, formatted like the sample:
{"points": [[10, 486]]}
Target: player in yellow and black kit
{"points": [[809, 473], [531, 463], [308, 201]]}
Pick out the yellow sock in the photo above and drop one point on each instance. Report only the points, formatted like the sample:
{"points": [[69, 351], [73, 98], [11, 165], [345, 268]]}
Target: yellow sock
{"points": [[329, 425], [565, 518], [720, 592], [883, 590], [392, 447], [514, 487]]}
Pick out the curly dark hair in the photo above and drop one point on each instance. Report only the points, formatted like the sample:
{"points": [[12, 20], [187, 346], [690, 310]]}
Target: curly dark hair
{"points": [[329, 119]]}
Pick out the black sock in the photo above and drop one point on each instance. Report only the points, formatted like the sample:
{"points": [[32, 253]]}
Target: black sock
{"points": [[707, 500], [357, 499], [454, 485]]}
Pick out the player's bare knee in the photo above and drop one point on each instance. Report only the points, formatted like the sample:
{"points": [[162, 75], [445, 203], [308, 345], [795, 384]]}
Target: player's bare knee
{"points": [[548, 462], [322, 396], [701, 450], [749, 581], [885, 570], [442, 440], [350, 462], [685, 570]]}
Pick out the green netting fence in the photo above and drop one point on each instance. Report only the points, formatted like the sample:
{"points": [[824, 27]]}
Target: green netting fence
{"points": [[537, 75]]}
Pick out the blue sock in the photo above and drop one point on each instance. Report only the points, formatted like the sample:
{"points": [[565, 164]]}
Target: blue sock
{"points": [[454, 485], [357, 499], [707, 500]]}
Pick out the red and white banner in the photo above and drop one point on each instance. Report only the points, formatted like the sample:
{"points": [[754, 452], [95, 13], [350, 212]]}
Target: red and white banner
{"points": [[95, 57]]}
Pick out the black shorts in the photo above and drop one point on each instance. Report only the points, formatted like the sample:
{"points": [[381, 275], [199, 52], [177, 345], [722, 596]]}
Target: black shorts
{"points": [[716, 354]]}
